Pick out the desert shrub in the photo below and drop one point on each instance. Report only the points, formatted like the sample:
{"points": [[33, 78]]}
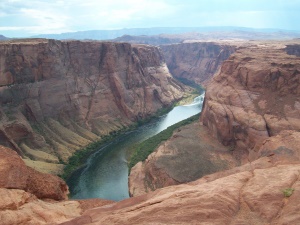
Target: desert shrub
{"points": [[288, 192]]}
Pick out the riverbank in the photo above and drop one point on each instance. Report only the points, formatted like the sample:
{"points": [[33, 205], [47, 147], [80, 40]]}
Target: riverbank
{"points": [[79, 158], [106, 172], [145, 148]]}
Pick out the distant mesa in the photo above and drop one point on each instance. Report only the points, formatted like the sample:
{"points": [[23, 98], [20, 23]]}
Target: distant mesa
{"points": [[179, 33]]}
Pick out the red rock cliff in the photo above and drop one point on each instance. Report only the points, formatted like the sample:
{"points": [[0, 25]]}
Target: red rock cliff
{"points": [[252, 105], [196, 61], [58, 96], [254, 96]]}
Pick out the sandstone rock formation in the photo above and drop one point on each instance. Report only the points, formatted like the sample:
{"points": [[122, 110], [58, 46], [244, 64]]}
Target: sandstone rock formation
{"points": [[241, 112], [255, 95], [250, 194], [196, 61], [31, 197], [56, 97], [16, 175], [188, 155]]}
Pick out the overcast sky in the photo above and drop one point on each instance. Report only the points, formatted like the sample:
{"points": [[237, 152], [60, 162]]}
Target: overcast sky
{"points": [[29, 17]]}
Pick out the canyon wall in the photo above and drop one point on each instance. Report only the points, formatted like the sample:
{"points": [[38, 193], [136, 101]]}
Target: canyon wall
{"points": [[196, 61], [188, 155], [57, 97], [251, 107], [255, 95]]}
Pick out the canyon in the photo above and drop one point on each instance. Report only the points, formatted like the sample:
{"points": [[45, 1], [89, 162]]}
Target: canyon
{"points": [[254, 96], [239, 164], [196, 61], [57, 97]]}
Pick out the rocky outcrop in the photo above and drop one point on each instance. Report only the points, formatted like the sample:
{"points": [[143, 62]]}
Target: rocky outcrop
{"points": [[196, 61], [188, 155], [30, 197], [249, 194], [16, 175], [58, 96], [255, 95]]}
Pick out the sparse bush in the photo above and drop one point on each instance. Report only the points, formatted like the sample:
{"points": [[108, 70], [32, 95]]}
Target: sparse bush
{"points": [[288, 192]]}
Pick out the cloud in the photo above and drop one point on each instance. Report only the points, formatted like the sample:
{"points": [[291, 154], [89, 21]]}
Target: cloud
{"points": [[56, 16], [32, 16]]}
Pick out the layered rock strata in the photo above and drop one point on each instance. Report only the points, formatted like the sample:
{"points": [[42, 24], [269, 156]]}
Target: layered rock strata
{"points": [[196, 61], [57, 97], [255, 95]]}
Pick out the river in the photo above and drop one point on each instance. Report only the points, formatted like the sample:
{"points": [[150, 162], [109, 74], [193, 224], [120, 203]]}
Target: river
{"points": [[106, 173]]}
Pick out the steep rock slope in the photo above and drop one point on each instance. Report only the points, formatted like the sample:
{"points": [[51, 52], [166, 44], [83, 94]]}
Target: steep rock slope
{"points": [[58, 96], [188, 155], [196, 61], [250, 194], [255, 95]]}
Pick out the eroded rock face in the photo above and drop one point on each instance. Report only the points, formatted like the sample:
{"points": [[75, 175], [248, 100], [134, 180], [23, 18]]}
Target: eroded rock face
{"points": [[188, 155], [58, 96], [16, 175], [197, 61], [255, 95], [250, 194], [30, 197], [20, 207]]}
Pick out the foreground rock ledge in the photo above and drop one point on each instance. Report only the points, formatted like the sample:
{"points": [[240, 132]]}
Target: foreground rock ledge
{"points": [[30, 197], [250, 194]]}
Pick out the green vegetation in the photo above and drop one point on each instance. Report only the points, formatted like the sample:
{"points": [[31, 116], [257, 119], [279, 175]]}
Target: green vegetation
{"points": [[79, 158], [144, 149], [288, 192]]}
